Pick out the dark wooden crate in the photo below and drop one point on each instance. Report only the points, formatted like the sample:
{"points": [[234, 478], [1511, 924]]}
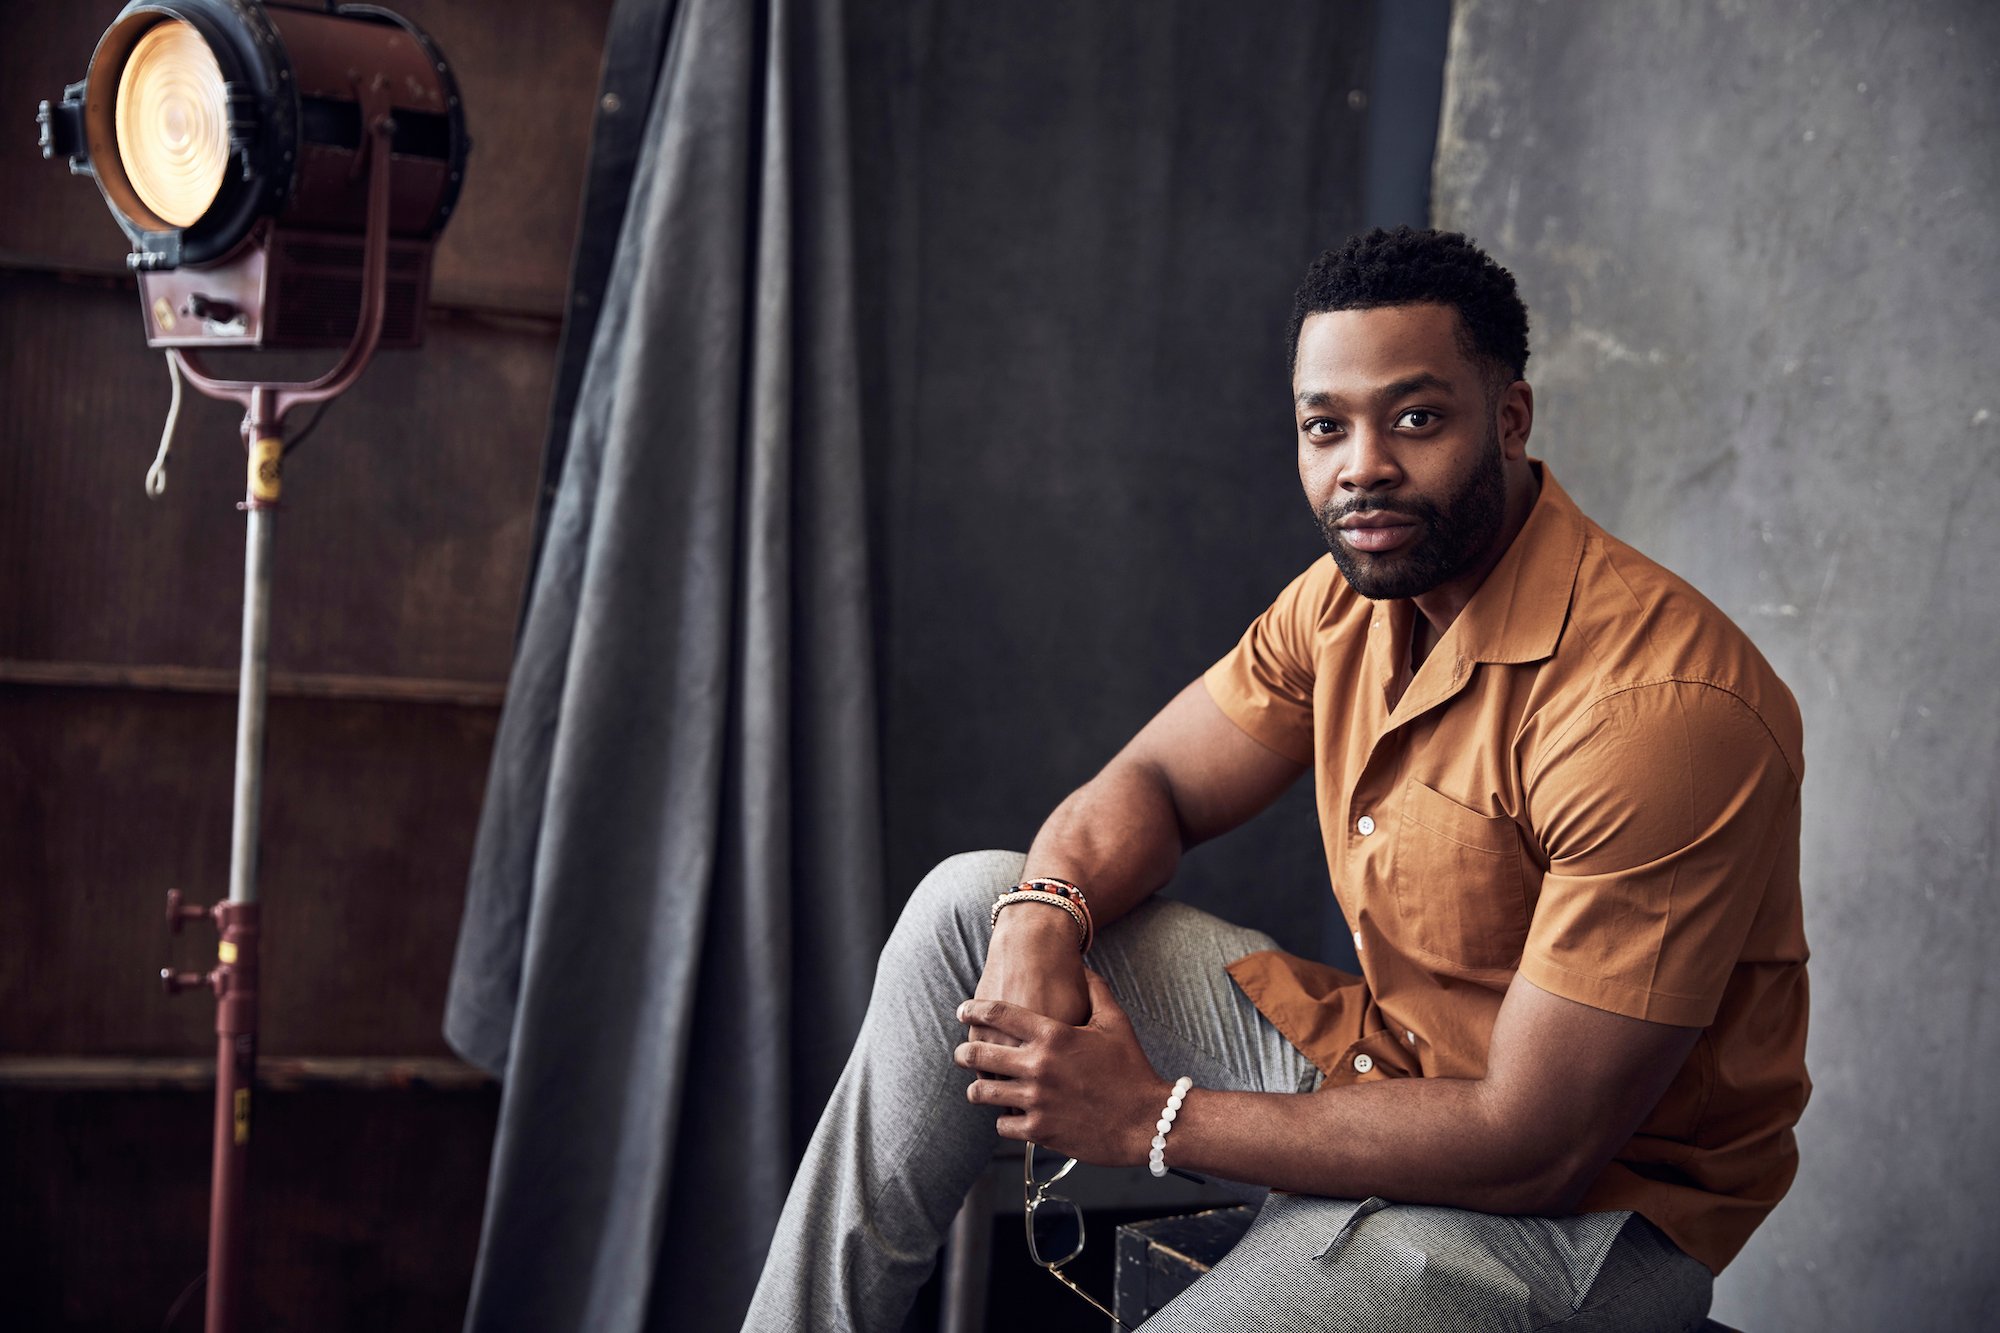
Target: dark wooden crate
{"points": [[1159, 1259]]}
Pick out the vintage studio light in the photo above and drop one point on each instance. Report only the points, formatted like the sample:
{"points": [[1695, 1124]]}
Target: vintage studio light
{"points": [[230, 139], [282, 172]]}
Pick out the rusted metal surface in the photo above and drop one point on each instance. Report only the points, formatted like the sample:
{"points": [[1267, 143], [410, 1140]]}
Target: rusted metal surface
{"points": [[110, 798], [288, 288], [325, 51], [406, 519]]}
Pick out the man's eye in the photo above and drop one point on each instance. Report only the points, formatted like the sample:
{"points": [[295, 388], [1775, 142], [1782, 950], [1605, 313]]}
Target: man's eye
{"points": [[1320, 427], [1417, 418]]}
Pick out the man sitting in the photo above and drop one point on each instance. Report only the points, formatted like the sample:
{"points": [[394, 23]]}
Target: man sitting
{"points": [[1559, 795]]}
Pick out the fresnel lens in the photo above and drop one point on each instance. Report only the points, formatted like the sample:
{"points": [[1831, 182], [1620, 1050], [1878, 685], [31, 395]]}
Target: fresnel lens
{"points": [[172, 120]]}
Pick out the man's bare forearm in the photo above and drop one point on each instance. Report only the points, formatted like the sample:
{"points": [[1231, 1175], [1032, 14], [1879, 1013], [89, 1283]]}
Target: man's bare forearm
{"points": [[1117, 837], [1416, 1140], [1565, 1086], [1188, 775]]}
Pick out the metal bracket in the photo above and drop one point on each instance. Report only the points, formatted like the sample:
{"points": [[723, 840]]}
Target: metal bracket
{"points": [[62, 133]]}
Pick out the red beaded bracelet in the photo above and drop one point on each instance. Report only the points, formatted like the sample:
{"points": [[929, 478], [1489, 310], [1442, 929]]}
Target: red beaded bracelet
{"points": [[1050, 884]]}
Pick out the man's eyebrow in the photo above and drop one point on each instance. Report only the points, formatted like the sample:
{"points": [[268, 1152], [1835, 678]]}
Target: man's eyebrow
{"points": [[1387, 393]]}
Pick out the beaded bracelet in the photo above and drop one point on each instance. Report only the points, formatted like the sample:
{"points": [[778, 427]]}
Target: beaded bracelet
{"points": [[1050, 884], [1053, 900], [1156, 1161]]}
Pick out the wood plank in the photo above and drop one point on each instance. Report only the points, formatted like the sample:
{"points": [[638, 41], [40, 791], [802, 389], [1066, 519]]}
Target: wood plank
{"points": [[279, 685], [65, 1073]]}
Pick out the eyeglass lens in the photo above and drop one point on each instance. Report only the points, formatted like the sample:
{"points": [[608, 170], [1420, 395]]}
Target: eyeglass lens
{"points": [[1055, 1232], [1055, 1225]]}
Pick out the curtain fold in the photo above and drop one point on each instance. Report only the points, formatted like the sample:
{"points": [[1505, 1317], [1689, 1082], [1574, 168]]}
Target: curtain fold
{"points": [[676, 892]]}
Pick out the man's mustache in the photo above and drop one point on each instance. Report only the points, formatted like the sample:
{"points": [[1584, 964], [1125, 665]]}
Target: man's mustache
{"points": [[1333, 512]]}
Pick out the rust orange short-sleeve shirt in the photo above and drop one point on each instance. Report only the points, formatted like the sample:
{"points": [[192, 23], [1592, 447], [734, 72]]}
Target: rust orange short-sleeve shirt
{"points": [[1593, 781]]}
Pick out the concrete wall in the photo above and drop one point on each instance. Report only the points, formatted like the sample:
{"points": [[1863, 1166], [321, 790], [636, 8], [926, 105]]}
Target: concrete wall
{"points": [[1759, 244]]}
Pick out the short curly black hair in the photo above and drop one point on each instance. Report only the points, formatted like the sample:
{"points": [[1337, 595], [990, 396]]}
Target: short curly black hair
{"points": [[1410, 267]]}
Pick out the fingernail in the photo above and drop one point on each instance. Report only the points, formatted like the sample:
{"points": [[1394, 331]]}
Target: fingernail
{"points": [[960, 1012]]}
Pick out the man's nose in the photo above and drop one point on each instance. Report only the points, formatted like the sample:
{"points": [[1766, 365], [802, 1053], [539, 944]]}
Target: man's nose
{"points": [[1370, 464]]}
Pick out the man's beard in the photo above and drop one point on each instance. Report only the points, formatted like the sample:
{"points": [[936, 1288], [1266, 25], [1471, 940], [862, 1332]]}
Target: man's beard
{"points": [[1455, 534]]}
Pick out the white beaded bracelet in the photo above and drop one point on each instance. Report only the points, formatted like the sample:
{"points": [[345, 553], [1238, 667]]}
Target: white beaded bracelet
{"points": [[1156, 1161]]}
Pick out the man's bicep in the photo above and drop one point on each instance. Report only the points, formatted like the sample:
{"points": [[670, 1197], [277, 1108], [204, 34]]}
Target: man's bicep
{"points": [[1577, 1080], [1217, 774]]}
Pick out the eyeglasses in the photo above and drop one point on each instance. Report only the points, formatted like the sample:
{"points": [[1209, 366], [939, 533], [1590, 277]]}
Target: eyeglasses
{"points": [[1055, 1225]]}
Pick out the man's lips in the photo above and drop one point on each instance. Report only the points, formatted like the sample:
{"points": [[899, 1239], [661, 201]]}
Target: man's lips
{"points": [[1377, 531]]}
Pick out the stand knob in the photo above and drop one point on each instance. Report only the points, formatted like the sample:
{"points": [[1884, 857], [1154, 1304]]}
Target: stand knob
{"points": [[179, 912], [173, 983]]}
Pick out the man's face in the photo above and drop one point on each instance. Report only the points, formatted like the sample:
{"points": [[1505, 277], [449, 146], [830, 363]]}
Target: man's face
{"points": [[1400, 450]]}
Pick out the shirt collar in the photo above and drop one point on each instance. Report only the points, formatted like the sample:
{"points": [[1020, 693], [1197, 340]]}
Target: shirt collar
{"points": [[1518, 613]]}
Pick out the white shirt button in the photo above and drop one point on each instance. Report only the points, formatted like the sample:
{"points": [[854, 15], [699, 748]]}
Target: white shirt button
{"points": [[1365, 825], [1412, 1036], [1357, 940], [1363, 1063]]}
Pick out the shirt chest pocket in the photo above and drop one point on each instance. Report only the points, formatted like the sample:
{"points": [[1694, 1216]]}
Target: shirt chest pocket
{"points": [[1456, 875]]}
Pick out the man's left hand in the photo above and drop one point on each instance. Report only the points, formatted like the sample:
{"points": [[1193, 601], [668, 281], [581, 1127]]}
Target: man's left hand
{"points": [[1087, 1092]]}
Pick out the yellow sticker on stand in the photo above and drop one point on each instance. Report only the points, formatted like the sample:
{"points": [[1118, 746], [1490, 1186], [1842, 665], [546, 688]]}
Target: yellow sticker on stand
{"points": [[243, 1115], [226, 951], [266, 457]]}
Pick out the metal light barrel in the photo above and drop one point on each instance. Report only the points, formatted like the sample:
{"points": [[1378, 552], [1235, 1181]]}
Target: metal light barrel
{"points": [[227, 136]]}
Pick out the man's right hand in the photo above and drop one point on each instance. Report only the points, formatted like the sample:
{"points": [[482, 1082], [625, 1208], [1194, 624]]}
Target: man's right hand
{"points": [[1033, 961]]}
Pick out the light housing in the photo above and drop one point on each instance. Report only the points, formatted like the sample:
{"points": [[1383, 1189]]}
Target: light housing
{"points": [[226, 137]]}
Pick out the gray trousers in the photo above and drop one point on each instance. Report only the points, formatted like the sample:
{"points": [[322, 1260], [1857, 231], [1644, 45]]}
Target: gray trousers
{"points": [[899, 1146]]}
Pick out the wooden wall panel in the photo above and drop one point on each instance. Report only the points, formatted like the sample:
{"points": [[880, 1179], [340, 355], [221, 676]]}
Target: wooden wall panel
{"points": [[402, 546], [364, 1208], [45, 213], [399, 563], [528, 75], [109, 798]]}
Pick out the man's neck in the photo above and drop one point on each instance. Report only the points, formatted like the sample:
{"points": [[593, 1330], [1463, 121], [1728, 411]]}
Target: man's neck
{"points": [[1424, 636]]}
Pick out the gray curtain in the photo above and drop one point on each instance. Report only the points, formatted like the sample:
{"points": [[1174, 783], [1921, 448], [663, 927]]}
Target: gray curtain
{"points": [[676, 893]]}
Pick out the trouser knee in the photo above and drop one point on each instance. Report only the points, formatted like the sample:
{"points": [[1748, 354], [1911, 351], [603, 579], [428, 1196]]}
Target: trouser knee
{"points": [[948, 914]]}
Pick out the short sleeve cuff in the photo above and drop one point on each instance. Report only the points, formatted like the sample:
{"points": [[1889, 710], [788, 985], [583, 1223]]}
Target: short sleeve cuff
{"points": [[1280, 729], [1617, 997]]}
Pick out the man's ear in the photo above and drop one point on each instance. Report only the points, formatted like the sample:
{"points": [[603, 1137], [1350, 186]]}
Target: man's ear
{"points": [[1515, 418]]}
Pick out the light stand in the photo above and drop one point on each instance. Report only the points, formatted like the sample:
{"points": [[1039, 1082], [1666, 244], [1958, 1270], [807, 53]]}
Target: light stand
{"points": [[274, 166], [234, 978]]}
